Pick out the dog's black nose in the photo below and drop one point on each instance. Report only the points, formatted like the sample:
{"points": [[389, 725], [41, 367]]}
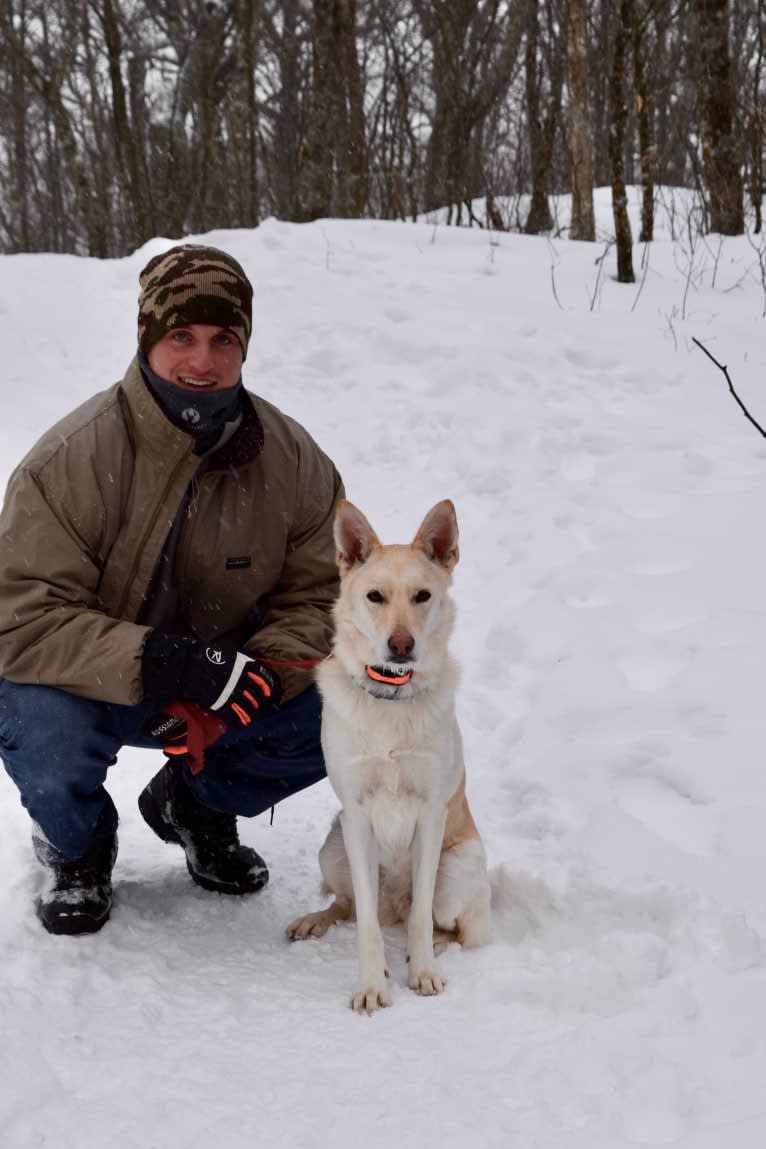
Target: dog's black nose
{"points": [[401, 643]]}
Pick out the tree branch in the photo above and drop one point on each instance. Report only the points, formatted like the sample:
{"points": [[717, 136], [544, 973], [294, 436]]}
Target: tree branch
{"points": [[721, 367]]}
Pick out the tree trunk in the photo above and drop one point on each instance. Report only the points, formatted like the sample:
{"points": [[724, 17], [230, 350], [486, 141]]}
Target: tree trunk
{"points": [[474, 52], [126, 140], [619, 117], [755, 127], [645, 117], [583, 223], [539, 218], [720, 146], [287, 144], [334, 173], [14, 33], [248, 31], [356, 175], [318, 147]]}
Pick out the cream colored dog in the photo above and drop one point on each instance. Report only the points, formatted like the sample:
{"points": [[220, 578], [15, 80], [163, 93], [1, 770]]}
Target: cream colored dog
{"points": [[404, 847]]}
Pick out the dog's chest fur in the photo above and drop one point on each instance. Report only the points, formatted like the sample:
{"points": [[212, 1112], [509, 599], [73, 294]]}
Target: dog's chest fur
{"points": [[393, 792], [391, 758]]}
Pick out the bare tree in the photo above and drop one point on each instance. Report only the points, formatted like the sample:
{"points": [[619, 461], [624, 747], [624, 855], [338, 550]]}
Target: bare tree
{"points": [[13, 23], [542, 114], [474, 45], [119, 121], [396, 72], [756, 118], [284, 78], [247, 21], [127, 139], [583, 221], [645, 117], [618, 101], [720, 145], [334, 171]]}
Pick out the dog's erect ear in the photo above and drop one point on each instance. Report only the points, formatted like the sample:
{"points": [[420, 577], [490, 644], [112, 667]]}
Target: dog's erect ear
{"points": [[354, 537], [437, 535]]}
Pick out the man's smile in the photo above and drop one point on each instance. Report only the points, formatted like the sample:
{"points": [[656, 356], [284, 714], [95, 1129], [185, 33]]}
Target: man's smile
{"points": [[193, 384]]}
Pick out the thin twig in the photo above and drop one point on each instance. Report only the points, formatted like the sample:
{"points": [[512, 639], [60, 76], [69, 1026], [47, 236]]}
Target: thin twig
{"points": [[645, 266], [721, 367], [669, 317], [554, 265], [327, 250], [690, 270], [716, 258], [759, 251], [599, 263]]}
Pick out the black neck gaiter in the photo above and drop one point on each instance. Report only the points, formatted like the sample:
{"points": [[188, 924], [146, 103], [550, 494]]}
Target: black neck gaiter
{"points": [[204, 414]]}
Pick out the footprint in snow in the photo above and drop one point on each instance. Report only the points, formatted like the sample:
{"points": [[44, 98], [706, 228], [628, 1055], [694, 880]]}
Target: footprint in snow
{"points": [[578, 468], [668, 806], [397, 314], [652, 670]]}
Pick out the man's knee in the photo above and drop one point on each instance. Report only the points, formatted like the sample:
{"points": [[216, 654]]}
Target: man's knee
{"points": [[295, 727], [42, 718], [281, 755]]}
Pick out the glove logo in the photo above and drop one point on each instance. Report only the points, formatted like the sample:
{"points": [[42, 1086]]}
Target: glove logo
{"points": [[191, 415], [214, 656]]}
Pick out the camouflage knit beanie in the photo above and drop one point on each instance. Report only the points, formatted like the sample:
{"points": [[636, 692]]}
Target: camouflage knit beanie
{"points": [[189, 284]]}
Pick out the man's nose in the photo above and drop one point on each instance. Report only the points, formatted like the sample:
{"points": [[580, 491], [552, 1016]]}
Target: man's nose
{"points": [[201, 358]]}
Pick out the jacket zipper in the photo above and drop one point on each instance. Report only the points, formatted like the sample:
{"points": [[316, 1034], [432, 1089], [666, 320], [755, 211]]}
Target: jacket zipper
{"points": [[140, 547]]}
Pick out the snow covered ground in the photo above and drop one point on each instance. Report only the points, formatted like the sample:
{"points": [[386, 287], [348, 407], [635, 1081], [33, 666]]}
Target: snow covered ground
{"points": [[611, 631]]}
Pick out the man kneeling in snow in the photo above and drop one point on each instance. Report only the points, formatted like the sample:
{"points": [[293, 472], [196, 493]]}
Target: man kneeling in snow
{"points": [[166, 577]]}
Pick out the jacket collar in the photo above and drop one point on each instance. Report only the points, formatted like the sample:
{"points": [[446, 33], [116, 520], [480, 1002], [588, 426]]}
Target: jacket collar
{"points": [[159, 436]]}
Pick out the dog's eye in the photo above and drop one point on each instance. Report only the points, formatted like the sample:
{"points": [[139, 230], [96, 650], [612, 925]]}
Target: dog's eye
{"points": [[422, 596], [375, 596]]}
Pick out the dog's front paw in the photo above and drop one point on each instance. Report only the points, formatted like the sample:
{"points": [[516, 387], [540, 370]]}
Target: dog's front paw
{"points": [[427, 982], [370, 998]]}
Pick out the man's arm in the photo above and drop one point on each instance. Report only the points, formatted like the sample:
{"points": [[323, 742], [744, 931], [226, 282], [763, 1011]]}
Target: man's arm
{"points": [[53, 631]]}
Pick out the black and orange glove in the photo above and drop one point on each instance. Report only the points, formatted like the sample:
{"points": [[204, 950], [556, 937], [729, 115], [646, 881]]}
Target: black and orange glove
{"points": [[185, 731], [236, 686]]}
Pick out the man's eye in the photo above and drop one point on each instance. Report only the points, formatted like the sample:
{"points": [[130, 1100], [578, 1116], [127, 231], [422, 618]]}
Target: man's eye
{"points": [[422, 596], [375, 596], [223, 339], [180, 336]]}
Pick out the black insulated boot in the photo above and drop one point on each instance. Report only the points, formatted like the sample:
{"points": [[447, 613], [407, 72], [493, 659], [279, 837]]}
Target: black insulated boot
{"points": [[78, 899], [214, 856]]}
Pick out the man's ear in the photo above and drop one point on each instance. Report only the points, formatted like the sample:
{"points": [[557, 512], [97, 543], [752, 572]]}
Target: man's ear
{"points": [[355, 540], [438, 535]]}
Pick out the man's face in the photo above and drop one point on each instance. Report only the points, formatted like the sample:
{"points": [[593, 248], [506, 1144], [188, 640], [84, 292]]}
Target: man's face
{"points": [[198, 357]]}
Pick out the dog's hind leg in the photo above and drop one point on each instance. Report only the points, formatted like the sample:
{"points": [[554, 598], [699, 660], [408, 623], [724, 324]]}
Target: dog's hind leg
{"points": [[317, 924], [473, 924], [334, 864], [462, 894], [442, 938], [336, 872]]}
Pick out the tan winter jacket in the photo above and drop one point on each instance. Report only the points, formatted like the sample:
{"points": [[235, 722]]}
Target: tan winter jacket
{"points": [[85, 517]]}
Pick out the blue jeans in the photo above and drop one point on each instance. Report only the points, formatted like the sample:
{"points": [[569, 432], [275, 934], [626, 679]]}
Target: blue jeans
{"points": [[57, 748]]}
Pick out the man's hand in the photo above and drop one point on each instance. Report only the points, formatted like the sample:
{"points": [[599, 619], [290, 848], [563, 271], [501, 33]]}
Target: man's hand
{"points": [[234, 685], [170, 731], [184, 730], [231, 683]]}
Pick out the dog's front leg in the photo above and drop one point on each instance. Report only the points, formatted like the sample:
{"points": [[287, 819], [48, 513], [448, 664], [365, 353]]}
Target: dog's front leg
{"points": [[424, 975], [362, 852]]}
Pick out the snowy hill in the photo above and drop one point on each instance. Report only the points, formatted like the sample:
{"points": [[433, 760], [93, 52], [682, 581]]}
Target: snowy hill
{"points": [[611, 632]]}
